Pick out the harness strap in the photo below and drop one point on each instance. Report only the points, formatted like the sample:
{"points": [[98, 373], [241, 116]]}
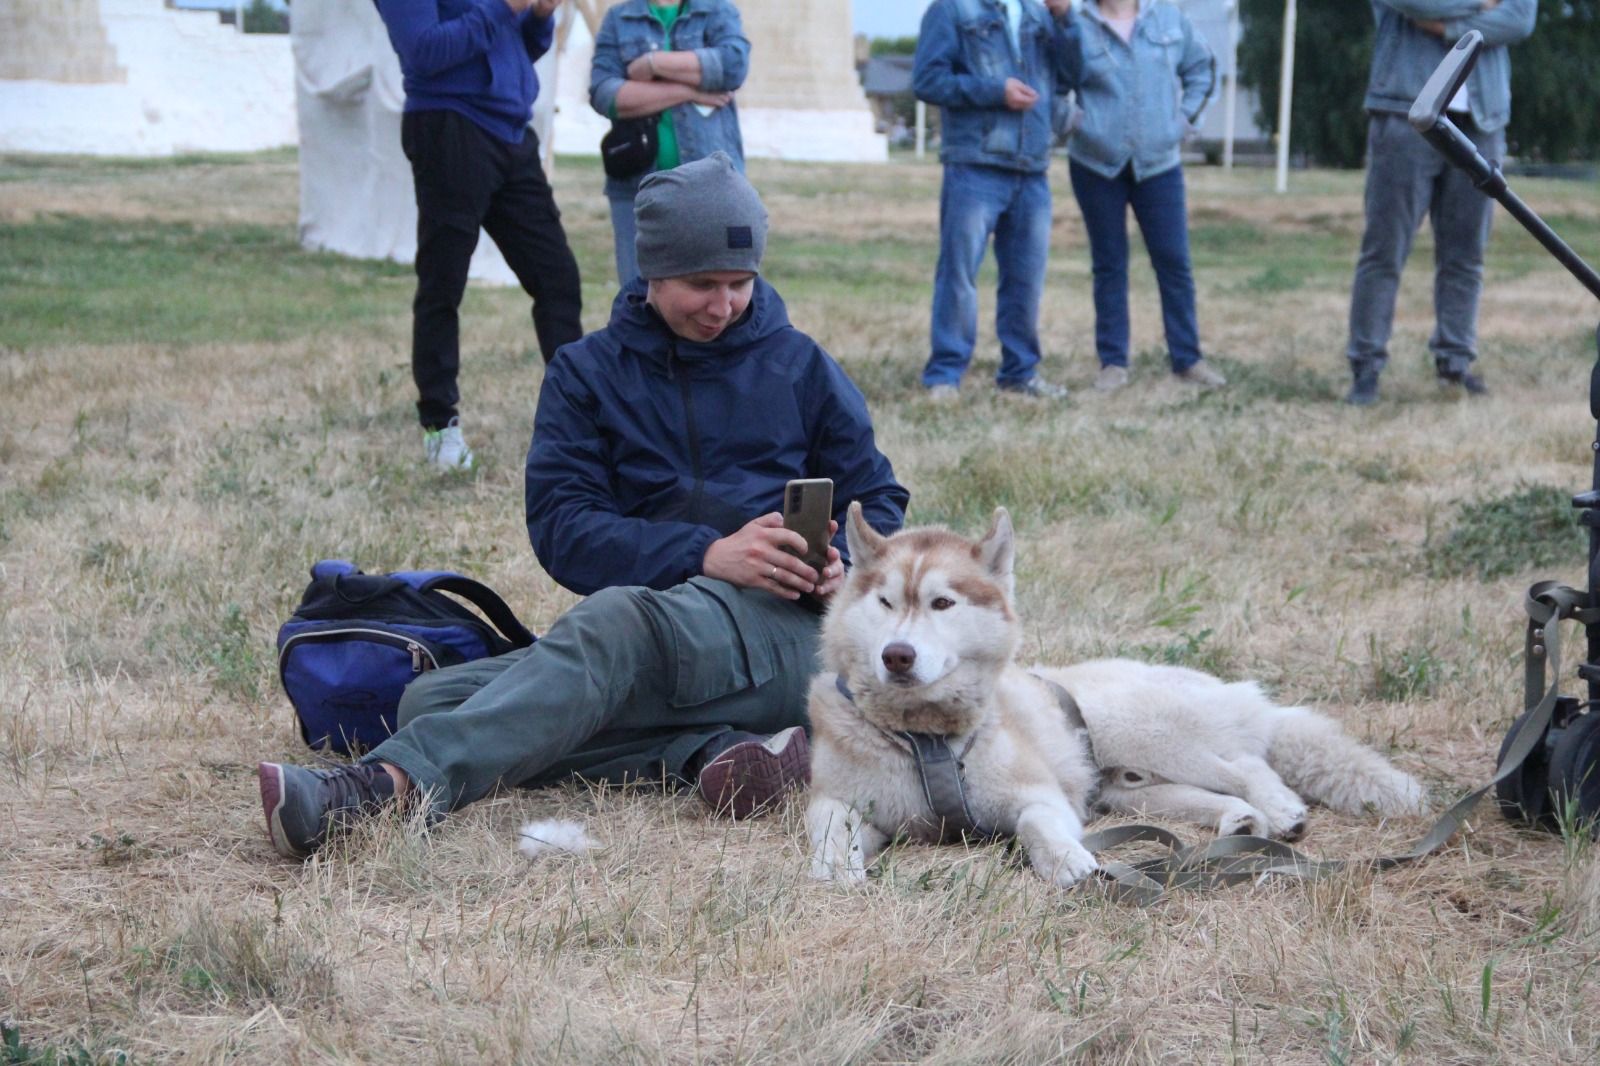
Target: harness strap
{"points": [[940, 771]]}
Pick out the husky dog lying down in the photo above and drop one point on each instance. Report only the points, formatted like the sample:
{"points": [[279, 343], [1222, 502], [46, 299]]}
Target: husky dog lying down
{"points": [[920, 676]]}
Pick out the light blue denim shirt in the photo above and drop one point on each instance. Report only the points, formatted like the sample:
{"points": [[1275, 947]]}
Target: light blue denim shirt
{"points": [[1136, 99], [1403, 56], [712, 31], [964, 56]]}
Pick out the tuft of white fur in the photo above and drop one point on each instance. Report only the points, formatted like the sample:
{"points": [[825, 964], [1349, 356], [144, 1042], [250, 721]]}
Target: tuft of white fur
{"points": [[553, 836], [1322, 762]]}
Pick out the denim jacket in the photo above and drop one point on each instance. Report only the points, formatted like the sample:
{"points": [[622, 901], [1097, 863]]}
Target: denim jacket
{"points": [[709, 28], [1403, 56], [964, 56], [1136, 99]]}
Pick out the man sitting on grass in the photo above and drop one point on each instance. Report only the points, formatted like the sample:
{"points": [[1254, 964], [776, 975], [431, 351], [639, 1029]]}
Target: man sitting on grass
{"points": [[656, 441]]}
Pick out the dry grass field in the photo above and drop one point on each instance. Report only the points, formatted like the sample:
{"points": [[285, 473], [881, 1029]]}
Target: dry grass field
{"points": [[193, 410]]}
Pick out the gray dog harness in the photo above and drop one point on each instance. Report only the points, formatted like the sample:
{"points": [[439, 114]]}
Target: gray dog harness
{"points": [[942, 771]]}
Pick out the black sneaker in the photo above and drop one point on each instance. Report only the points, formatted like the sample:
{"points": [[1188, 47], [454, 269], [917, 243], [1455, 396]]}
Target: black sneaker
{"points": [[305, 806], [1036, 387], [753, 772], [1466, 379], [1363, 390]]}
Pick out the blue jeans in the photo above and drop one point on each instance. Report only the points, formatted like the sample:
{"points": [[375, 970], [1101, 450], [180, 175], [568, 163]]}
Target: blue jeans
{"points": [[974, 202], [1158, 205], [624, 232]]}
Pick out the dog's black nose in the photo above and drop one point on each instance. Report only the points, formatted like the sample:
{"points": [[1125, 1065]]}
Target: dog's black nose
{"points": [[899, 657]]}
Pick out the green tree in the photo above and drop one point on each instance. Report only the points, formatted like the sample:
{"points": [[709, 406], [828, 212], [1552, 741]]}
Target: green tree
{"points": [[1555, 113], [262, 17], [1555, 97], [1333, 49], [894, 46]]}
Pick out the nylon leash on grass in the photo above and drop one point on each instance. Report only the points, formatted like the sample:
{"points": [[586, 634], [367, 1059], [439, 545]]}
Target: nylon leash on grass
{"points": [[1234, 859]]}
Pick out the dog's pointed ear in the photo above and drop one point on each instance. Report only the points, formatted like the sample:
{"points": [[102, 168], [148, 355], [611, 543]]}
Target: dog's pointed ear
{"points": [[865, 543], [997, 551]]}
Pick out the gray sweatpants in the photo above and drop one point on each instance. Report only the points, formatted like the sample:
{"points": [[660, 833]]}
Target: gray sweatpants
{"points": [[627, 685], [1406, 179]]}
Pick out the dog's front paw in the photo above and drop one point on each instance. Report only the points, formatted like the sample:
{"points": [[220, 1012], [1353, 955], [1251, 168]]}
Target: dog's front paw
{"points": [[848, 873], [1073, 865]]}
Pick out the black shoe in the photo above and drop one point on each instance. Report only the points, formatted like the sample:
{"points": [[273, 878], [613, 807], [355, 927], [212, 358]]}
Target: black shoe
{"points": [[1363, 390], [1466, 379], [305, 806], [1036, 387]]}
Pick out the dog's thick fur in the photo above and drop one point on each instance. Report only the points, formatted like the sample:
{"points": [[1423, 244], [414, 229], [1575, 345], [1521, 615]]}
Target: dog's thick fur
{"points": [[924, 634], [1177, 743]]}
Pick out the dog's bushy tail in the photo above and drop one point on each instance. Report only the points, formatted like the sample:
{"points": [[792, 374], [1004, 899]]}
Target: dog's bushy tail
{"points": [[1322, 762]]}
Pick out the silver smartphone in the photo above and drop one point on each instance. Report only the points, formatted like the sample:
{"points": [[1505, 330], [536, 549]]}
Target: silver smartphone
{"points": [[807, 509]]}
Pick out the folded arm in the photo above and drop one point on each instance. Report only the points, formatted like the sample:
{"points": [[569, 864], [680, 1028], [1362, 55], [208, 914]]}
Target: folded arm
{"points": [[1508, 22]]}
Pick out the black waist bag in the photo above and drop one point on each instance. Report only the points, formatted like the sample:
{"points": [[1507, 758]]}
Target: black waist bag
{"points": [[629, 146], [357, 640]]}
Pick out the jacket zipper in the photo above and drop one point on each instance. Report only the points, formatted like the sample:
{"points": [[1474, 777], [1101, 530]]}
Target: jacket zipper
{"points": [[690, 429]]}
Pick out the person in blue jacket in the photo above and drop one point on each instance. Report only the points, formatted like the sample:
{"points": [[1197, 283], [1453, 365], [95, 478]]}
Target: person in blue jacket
{"points": [[679, 62], [662, 445], [470, 87], [1141, 76], [993, 68]]}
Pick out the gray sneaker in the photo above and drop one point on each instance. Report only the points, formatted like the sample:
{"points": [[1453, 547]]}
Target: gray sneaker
{"points": [[1036, 387], [305, 806], [750, 773], [1204, 375], [943, 393], [1110, 378]]}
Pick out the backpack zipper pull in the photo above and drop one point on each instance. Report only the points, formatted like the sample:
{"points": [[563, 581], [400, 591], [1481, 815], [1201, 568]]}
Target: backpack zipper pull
{"points": [[416, 657]]}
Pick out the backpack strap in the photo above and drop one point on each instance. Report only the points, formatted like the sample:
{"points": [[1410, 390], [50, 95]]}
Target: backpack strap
{"points": [[476, 593]]}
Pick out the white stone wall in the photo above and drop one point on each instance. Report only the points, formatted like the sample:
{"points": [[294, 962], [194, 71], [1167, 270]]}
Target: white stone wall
{"points": [[189, 84], [802, 99]]}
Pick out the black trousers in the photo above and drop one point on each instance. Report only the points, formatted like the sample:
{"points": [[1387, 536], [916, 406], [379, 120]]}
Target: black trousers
{"points": [[467, 178]]}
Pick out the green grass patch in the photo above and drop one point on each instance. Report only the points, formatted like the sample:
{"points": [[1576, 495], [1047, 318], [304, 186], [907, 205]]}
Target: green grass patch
{"points": [[1535, 526], [97, 281]]}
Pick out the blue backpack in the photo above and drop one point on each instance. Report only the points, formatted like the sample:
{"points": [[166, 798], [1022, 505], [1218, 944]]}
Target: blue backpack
{"points": [[357, 640]]}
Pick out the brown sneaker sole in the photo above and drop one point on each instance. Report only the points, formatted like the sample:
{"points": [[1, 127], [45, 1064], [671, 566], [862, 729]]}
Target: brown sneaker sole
{"points": [[270, 776], [749, 778]]}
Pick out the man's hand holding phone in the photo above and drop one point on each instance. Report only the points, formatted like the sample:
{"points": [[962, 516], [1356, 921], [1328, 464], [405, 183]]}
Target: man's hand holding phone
{"points": [[765, 555]]}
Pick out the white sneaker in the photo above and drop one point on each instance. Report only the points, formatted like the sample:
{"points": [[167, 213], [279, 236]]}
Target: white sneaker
{"points": [[446, 449]]}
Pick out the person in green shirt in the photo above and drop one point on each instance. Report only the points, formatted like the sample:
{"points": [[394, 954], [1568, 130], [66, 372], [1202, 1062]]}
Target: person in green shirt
{"points": [[682, 62]]}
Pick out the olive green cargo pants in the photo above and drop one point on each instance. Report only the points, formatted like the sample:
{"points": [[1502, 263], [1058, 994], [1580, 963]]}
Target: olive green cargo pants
{"points": [[627, 685]]}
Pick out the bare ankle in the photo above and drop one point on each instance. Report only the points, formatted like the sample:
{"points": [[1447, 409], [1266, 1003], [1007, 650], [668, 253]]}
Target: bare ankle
{"points": [[402, 783]]}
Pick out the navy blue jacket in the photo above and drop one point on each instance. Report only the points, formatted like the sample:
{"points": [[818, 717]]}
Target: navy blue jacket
{"points": [[474, 57], [647, 447]]}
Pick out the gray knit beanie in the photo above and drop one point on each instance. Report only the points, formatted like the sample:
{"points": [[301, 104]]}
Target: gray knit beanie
{"points": [[698, 217]]}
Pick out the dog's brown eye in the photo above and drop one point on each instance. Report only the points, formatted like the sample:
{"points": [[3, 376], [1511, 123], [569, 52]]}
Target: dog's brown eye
{"points": [[887, 606], [942, 603]]}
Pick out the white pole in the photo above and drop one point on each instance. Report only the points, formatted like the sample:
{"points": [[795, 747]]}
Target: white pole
{"points": [[238, 16], [1285, 94], [922, 128], [1230, 105]]}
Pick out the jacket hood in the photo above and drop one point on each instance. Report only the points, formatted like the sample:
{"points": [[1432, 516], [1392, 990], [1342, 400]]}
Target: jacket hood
{"points": [[639, 329]]}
